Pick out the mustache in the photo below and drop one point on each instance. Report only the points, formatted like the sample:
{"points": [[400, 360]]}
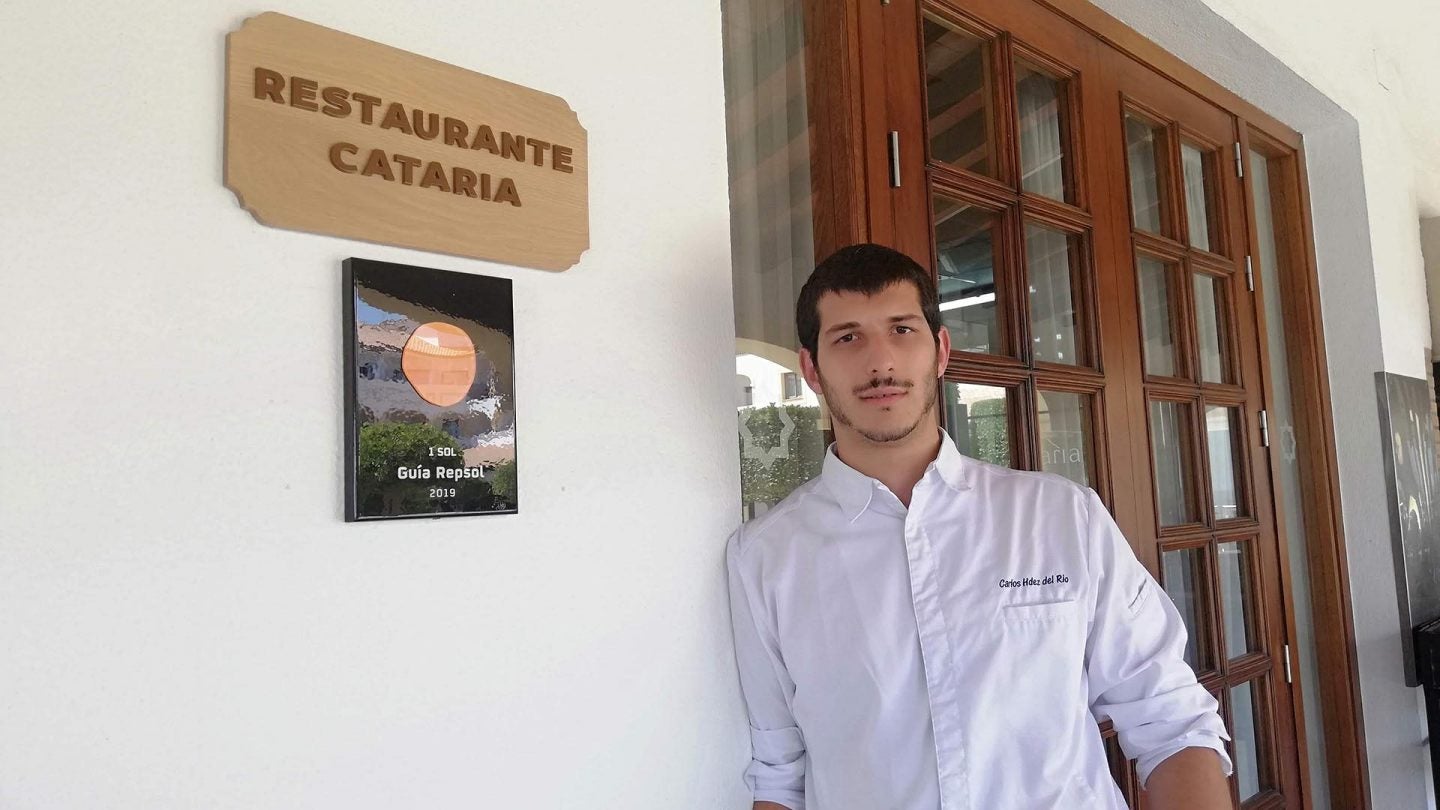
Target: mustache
{"points": [[884, 382]]}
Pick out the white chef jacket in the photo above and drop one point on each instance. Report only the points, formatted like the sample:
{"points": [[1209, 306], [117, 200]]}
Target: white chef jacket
{"points": [[955, 655]]}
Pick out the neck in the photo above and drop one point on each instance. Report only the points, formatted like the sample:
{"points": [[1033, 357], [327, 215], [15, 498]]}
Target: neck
{"points": [[898, 465]]}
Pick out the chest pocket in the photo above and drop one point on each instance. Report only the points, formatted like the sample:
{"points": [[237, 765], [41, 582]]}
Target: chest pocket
{"points": [[1047, 613], [1036, 682]]}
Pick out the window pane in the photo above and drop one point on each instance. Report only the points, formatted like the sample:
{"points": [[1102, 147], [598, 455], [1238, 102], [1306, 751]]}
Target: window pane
{"points": [[1064, 426], [780, 438], [965, 246], [1288, 461], [1243, 717], [1042, 144], [1141, 147], [1197, 197], [1051, 257], [1184, 575], [1156, 326], [1169, 429], [1210, 336], [1236, 596], [957, 88], [1221, 430], [978, 418]]}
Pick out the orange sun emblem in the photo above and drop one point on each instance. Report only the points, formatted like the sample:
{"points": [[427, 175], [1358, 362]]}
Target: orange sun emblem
{"points": [[439, 361]]}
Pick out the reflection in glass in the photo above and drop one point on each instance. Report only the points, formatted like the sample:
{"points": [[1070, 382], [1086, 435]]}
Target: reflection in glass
{"points": [[957, 88], [977, 417], [1169, 423], [1042, 146], [1155, 322], [780, 438], [1141, 148], [1209, 298], [1050, 257], [1184, 575], [1221, 430], [965, 246], [1235, 595], [1063, 421], [1247, 741], [1197, 193]]}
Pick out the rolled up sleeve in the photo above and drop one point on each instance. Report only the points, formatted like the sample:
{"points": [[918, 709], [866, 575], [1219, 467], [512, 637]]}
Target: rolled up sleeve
{"points": [[1135, 659], [777, 767]]}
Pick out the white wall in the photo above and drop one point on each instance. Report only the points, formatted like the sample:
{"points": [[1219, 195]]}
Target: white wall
{"points": [[1374, 312], [185, 622], [1378, 61]]}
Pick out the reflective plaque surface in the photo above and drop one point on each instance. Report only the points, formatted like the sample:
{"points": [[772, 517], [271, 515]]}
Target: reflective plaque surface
{"points": [[429, 393]]}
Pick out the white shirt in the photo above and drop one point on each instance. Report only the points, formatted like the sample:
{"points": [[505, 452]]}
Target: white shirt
{"points": [[958, 654]]}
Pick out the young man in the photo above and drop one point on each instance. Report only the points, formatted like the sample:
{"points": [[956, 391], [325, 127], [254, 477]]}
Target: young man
{"points": [[917, 630]]}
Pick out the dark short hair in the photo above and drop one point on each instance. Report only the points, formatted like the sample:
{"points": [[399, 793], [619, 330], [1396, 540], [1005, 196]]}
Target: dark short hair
{"points": [[866, 269]]}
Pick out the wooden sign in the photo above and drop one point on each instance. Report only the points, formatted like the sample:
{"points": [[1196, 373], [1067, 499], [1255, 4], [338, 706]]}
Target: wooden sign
{"points": [[330, 133]]}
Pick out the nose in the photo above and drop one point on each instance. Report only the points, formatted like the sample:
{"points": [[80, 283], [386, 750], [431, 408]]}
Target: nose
{"points": [[882, 357]]}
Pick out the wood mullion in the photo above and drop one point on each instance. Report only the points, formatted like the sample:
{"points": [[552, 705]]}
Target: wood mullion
{"points": [[1160, 247], [975, 367], [1076, 379], [1252, 665], [1214, 264], [977, 186], [1055, 213], [1269, 799], [1182, 307]]}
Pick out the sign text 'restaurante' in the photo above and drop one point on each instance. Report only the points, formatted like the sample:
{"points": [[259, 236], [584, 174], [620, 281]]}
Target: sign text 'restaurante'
{"points": [[339, 102]]}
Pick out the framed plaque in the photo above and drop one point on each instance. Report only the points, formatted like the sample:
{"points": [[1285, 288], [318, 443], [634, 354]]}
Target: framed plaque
{"points": [[429, 393], [1413, 481]]}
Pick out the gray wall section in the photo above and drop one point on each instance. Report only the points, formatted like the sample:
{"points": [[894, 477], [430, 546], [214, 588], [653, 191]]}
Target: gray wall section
{"points": [[1394, 728]]}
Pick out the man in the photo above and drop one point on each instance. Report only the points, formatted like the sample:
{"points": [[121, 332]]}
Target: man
{"points": [[917, 630]]}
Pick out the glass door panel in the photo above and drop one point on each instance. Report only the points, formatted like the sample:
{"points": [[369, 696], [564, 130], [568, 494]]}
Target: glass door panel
{"points": [[1237, 597], [1196, 168], [1174, 462], [1040, 109], [1157, 317], [979, 418], [1052, 259], [1186, 579], [958, 95], [1064, 424], [971, 300], [1145, 150]]}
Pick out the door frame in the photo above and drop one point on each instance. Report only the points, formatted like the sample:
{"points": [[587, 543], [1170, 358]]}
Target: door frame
{"points": [[850, 99]]}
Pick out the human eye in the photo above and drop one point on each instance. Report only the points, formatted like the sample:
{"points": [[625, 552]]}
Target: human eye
{"points": [[848, 337], [904, 330]]}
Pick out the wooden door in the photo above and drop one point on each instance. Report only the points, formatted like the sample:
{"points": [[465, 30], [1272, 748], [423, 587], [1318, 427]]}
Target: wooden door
{"points": [[1086, 224]]}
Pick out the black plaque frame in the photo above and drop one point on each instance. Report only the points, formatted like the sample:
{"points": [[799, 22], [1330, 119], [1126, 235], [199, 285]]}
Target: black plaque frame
{"points": [[1412, 478], [384, 304]]}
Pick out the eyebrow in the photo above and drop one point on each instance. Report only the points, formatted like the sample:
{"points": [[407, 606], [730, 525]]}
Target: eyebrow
{"points": [[855, 324]]}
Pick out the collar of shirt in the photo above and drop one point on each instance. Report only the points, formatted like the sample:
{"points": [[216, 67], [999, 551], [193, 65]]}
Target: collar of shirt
{"points": [[855, 491]]}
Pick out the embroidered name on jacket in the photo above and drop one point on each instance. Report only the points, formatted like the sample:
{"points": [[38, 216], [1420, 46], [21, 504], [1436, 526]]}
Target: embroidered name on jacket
{"points": [[1025, 582]]}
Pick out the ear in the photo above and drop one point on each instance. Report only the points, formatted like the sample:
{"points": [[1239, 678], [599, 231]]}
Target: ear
{"points": [[942, 353], [810, 371]]}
